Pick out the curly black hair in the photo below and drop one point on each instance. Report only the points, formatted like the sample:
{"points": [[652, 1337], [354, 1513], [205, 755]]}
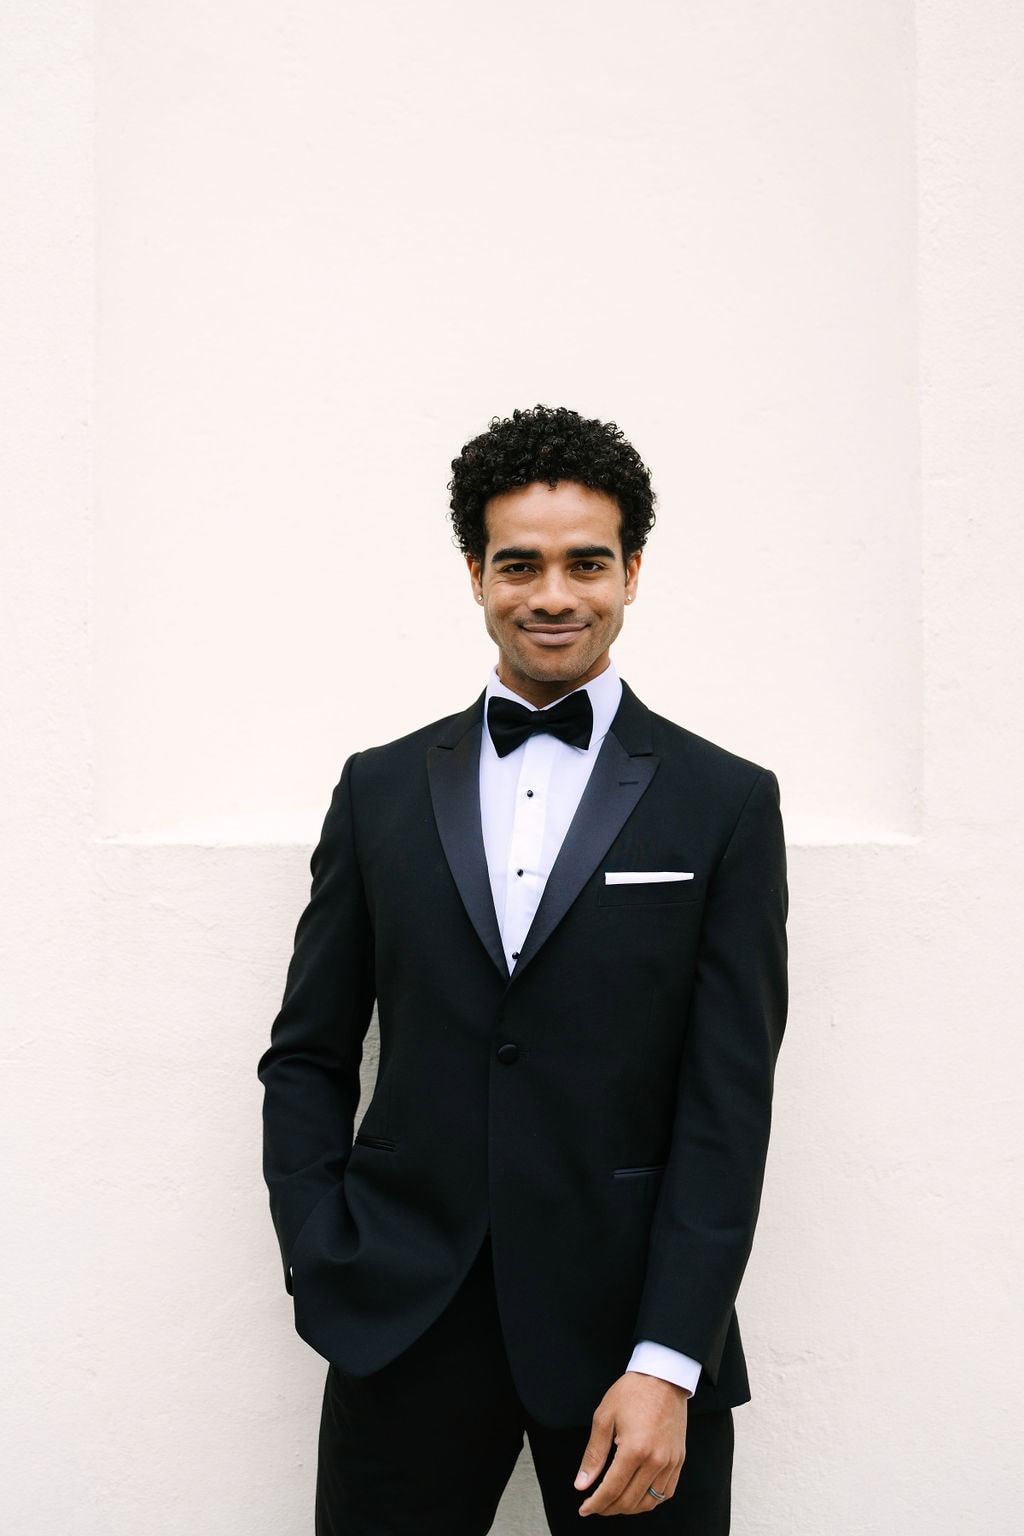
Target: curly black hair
{"points": [[549, 444]]}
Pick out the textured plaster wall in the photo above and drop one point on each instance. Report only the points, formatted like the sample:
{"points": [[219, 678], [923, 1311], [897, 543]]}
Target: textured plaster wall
{"points": [[782, 244]]}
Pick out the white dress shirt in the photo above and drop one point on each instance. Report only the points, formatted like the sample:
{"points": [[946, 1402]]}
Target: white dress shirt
{"points": [[527, 800]]}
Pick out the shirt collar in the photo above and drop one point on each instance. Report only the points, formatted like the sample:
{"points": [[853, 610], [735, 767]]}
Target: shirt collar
{"points": [[605, 693]]}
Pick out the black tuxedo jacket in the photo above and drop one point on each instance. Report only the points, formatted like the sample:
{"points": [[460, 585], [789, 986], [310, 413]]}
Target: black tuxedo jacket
{"points": [[603, 1111]]}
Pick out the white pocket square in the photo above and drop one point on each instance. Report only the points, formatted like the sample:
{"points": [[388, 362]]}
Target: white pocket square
{"points": [[646, 876]]}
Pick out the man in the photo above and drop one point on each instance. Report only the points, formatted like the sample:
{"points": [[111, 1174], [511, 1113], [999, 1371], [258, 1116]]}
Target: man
{"points": [[571, 915]]}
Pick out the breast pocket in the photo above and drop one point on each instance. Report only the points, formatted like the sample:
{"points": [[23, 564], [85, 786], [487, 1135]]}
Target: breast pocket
{"points": [[656, 893]]}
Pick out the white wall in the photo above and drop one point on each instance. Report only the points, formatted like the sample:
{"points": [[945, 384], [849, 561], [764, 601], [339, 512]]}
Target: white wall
{"points": [[782, 246]]}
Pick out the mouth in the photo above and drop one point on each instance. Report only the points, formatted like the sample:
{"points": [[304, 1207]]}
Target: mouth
{"points": [[553, 634]]}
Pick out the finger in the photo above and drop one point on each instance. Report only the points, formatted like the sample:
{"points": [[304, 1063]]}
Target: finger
{"points": [[604, 1500], [670, 1479], [597, 1451], [663, 1483], [636, 1496], [623, 1477]]}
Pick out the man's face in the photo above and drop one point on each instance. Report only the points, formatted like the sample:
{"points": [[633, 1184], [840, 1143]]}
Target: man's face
{"points": [[553, 584]]}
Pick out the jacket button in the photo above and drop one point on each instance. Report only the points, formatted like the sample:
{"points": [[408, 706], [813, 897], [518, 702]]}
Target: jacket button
{"points": [[507, 1054]]}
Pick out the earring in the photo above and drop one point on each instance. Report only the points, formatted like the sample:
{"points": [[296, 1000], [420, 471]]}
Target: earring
{"points": [[479, 597]]}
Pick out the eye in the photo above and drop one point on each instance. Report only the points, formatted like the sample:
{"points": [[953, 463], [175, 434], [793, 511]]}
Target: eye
{"points": [[589, 567]]}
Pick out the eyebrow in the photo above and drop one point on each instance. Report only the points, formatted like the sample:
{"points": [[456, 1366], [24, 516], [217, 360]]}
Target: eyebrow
{"points": [[584, 552]]}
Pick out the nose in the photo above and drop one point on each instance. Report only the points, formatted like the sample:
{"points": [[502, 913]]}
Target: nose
{"points": [[552, 594]]}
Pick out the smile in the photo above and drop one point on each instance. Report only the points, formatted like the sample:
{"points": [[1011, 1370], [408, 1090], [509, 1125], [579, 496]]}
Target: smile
{"points": [[553, 634]]}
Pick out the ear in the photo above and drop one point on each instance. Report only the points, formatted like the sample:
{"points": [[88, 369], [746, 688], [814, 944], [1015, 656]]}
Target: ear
{"points": [[475, 568], [633, 573]]}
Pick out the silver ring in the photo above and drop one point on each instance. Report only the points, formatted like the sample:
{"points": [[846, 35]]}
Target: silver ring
{"points": [[658, 1496]]}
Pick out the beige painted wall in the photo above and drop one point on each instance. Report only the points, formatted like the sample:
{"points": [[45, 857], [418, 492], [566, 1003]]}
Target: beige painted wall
{"points": [[264, 269]]}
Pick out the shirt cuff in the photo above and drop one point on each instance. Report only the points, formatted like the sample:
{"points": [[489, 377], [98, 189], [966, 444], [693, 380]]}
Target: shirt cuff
{"points": [[658, 1360]]}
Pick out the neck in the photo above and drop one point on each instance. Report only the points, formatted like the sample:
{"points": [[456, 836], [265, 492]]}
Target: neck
{"points": [[541, 693]]}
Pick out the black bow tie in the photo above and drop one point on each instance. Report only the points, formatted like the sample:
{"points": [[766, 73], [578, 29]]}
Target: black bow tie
{"points": [[571, 720]]}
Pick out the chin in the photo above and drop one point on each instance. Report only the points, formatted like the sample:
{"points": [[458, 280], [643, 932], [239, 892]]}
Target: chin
{"points": [[557, 671]]}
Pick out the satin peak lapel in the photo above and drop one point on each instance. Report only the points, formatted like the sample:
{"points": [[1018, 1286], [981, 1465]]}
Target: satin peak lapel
{"points": [[612, 794], [453, 769]]}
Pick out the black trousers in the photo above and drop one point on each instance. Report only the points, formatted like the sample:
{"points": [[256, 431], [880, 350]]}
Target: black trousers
{"points": [[426, 1446]]}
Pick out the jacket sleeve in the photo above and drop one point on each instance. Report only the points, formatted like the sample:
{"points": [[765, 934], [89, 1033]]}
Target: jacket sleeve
{"points": [[708, 1204], [310, 1074]]}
